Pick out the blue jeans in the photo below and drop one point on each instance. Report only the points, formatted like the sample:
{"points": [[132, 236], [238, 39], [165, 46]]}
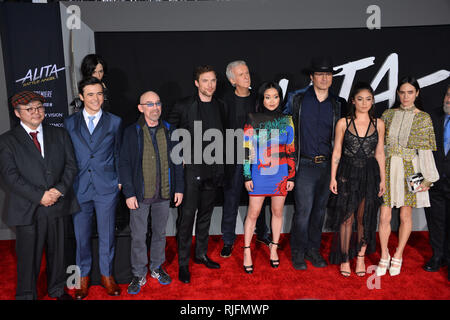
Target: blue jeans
{"points": [[311, 197], [231, 198]]}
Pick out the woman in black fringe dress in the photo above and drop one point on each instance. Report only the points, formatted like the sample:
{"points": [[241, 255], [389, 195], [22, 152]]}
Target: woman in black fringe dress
{"points": [[357, 182]]}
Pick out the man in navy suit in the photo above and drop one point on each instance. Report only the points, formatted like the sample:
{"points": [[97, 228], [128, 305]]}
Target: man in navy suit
{"points": [[96, 136]]}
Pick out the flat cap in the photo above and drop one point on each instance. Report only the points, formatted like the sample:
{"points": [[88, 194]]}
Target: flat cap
{"points": [[25, 97]]}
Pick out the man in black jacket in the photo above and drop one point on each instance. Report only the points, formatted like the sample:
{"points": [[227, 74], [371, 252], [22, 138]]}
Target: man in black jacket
{"points": [[238, 104], [315, 112], [37, 167], [438, 214], [149, 180], [203, 174]]}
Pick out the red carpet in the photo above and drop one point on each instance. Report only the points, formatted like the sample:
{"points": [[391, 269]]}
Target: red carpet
{"points": [[284, 283]]}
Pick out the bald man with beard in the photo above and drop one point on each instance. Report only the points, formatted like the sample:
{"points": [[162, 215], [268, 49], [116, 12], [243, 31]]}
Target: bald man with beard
{"points": [[149, 180]]}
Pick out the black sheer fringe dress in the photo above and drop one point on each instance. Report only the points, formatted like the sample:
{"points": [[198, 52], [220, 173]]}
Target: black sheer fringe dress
{"points": [[352, 213]]}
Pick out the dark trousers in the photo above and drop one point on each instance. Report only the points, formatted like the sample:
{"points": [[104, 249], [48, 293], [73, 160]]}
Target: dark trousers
{"points": [[197, 198], [311, 197], [31, 240], [231, 197], [438, 218]]}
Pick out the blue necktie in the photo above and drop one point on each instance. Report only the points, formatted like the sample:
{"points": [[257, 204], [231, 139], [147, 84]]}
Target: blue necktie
{"points": [[91, 126], [447, 135]]}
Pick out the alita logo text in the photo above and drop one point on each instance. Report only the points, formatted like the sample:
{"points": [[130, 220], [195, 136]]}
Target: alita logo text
{"points": [[40, 74]]}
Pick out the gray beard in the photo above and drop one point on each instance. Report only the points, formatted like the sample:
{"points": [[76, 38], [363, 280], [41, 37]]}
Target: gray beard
{"points": [[446, 108]]}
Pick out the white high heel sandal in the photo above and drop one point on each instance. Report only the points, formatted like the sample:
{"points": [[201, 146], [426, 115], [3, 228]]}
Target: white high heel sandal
{"points": [[395, 271], [383, 265]]}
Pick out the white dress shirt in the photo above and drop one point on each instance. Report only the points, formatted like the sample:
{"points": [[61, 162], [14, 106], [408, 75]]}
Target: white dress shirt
{"points": [[96, 119], [40, 135]]}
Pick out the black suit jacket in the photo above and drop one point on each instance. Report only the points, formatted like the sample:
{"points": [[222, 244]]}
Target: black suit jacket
{"points": [[442, 161], [26, 175], [183, 115]]}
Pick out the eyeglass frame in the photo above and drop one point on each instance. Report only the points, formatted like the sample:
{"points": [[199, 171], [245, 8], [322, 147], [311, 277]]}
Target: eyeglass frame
{"points": [[151, 104], [39, 109]]}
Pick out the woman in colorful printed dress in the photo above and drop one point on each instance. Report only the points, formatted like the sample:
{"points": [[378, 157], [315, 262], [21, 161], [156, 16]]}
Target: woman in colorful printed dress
{"points": [[269, 165], [357, 181], [409, 142]]}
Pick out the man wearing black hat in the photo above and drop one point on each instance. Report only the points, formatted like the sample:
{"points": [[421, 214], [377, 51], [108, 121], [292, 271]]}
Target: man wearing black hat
{"points": [[315, 112], [37, 167]]}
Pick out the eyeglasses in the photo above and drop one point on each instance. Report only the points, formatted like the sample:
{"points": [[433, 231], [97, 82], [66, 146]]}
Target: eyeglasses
{"points": [[32, 110], [152, 104]]}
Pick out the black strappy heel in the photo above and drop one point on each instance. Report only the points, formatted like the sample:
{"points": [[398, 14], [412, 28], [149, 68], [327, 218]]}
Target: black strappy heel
{"points": [[248, 269], [274, 263], [361, 273]]}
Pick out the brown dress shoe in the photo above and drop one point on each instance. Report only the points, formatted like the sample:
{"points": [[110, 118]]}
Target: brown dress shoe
{"points": [[83, 291], [110, 285]]}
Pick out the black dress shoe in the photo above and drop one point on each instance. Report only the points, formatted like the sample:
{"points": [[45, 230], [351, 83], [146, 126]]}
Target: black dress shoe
{"points": [[299, 262], [316, 259], [433, 265], [226, 250], [207, 262], [184, 275], [64, 296]]}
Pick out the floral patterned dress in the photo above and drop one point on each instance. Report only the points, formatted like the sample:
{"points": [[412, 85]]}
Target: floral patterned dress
{"points": [[409, 142]]}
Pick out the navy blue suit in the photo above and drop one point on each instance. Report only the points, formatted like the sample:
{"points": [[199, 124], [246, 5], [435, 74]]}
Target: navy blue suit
{"points": [[96, 186]]}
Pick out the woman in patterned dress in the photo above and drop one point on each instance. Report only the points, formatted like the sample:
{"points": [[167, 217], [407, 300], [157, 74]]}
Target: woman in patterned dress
{"points": [[409, 142], [269, 165]]}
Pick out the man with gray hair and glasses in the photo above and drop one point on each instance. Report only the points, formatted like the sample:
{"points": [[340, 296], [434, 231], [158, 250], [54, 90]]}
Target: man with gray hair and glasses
{"points": [[238, 104]]}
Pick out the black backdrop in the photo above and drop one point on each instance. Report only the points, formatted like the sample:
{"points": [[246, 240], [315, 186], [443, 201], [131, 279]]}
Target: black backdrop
{"points": [[164, 61], [33, 55]]}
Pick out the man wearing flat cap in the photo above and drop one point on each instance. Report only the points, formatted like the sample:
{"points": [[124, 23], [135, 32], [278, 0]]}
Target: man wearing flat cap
{"points": [[315, 112], [37, 169]]}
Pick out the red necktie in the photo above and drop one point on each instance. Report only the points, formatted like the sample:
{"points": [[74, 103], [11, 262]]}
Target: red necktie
{"points": [[35, 140]]}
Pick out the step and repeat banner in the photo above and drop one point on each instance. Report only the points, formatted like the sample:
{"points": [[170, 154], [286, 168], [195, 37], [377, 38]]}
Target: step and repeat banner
{"points": [[33, 55], [164, 62]]}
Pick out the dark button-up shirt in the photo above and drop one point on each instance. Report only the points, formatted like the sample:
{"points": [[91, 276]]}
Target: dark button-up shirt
{"points": [[316, 125]]}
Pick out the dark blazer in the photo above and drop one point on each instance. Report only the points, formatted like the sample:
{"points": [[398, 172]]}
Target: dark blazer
{"points": [[97, 154], [130, 164], [442, 161], [27, 175], [183, 115]]}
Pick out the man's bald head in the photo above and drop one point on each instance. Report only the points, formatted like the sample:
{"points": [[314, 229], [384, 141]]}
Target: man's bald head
{"points": [[148, 95], [150, 106]]}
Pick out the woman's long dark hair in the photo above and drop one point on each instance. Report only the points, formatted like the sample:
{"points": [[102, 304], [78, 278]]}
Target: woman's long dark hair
{"points": [[357, 88], [260, 99], [90, 62], [412, 81]]}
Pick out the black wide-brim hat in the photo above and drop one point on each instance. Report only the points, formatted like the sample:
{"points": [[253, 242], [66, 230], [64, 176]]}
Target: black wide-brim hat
{"points": [[321, 64]]}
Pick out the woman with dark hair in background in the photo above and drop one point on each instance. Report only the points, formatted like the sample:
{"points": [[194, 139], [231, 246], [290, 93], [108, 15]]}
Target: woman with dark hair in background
{"points": [[409, 144], [269, 165], [357, 181], [93, 65]]}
